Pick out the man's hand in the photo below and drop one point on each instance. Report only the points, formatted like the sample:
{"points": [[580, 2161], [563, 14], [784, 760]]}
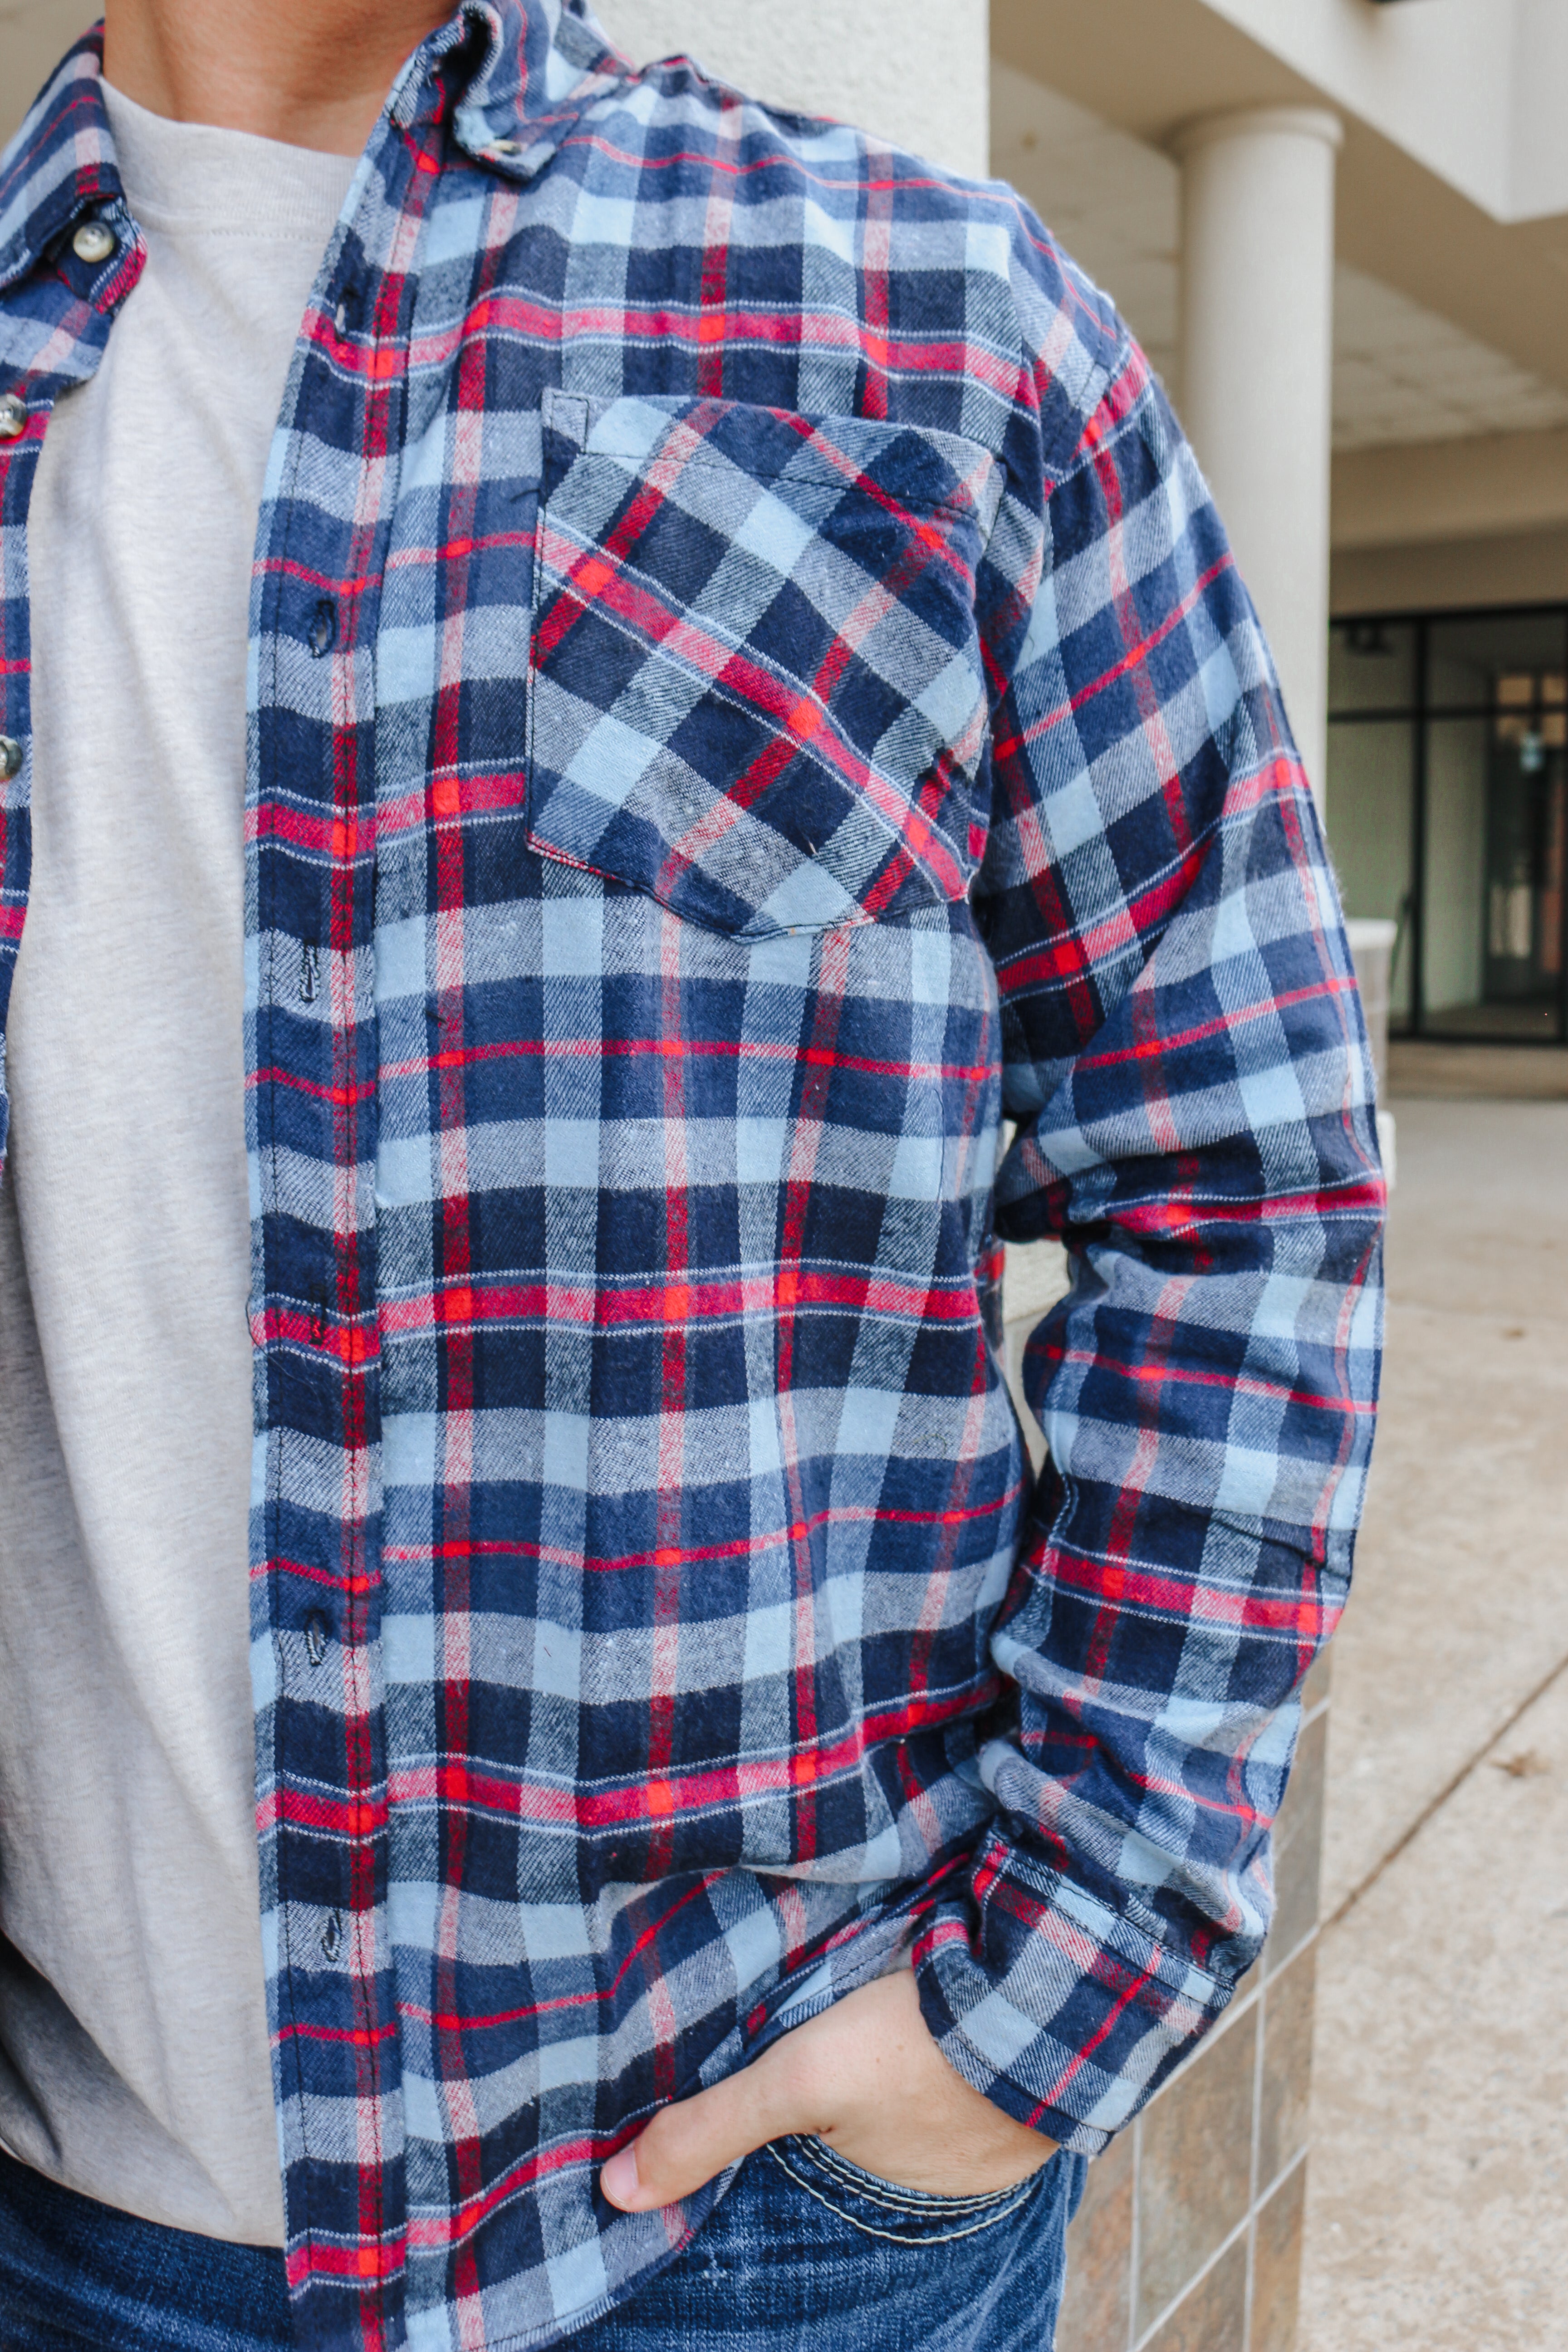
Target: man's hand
{"points": [[866, 2076]]}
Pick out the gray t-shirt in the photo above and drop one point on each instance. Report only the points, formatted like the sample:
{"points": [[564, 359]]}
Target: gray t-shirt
{"points": [[133, 2060]]}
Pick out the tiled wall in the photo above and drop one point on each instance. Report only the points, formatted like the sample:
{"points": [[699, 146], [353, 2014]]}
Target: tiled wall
{"points": [[1189, 2238]]}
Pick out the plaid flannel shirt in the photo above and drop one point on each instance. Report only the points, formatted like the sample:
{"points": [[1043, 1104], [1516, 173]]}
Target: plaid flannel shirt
{"points": [[748, 693]]}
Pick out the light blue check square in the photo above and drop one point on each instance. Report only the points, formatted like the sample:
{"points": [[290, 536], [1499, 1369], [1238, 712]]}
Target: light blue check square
{"points": [[612, 762]]}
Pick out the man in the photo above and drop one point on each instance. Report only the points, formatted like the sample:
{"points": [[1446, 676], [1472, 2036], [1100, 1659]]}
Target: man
{"points": [[740, 689]]}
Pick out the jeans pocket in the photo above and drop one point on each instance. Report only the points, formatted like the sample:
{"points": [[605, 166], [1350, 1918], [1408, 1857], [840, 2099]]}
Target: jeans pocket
{"points": [[884, 2208]]}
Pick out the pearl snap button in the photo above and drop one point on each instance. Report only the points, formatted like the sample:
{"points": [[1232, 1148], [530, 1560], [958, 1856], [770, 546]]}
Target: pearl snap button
{"points": [[13, 416], [93, 242], [10, 757]]}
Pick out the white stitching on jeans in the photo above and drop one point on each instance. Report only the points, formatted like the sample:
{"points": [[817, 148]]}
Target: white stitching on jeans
{"points": [[889, 2192], [898, 2237]]}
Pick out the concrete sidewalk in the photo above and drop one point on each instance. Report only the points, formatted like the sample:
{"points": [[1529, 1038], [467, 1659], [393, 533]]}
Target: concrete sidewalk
{"points": [[1437, 2203]]}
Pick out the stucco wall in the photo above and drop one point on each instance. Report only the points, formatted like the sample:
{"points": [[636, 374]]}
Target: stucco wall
{"points": [[34, 36], [916, 70]]}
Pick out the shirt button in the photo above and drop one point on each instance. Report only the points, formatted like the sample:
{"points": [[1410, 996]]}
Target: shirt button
{"points": [[10, 757], [315, 1637], [324, 628], [13, 416], [94, 241]]}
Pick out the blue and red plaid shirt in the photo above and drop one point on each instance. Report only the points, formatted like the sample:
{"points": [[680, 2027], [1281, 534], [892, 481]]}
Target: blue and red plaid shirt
{"points": [[748, 693]]}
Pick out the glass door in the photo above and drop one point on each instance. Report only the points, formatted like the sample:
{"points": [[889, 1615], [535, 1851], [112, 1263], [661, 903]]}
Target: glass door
{"points": [[1447, 810], [1524, 877]]}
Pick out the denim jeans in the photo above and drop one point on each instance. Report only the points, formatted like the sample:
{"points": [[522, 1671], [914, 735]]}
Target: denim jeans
{"points": [[805, 2254], [75, 2273], [808, 2253]]}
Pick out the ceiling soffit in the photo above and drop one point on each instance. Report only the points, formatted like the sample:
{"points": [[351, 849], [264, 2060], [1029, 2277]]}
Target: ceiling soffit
{"points": [[1147, 66]]}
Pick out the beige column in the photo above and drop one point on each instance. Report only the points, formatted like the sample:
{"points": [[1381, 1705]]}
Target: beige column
{"points": [[1256, 362], [916, 71]]}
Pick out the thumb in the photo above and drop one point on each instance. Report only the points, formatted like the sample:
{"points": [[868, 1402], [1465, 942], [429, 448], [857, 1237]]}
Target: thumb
{"points": [[686, 2143]]}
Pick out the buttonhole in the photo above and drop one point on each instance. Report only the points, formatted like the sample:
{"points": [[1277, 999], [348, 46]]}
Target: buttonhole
{"points": [[322, 633], [315, 1637], [318, 1314], [333, 1935], [309, 971]]}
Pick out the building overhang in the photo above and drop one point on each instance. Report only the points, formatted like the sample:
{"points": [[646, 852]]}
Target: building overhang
{"points": [[1416, 209], [1410, 491]]}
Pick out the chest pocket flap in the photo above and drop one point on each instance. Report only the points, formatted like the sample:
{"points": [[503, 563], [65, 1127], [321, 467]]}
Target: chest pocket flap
{"points": [[756, 688]]}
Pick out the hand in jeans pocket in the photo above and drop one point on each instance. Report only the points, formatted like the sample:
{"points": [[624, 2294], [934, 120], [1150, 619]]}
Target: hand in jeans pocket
{"points": [[865, 2077]]}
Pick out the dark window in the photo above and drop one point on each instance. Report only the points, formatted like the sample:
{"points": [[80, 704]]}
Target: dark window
{"points": [[1447, 810]]}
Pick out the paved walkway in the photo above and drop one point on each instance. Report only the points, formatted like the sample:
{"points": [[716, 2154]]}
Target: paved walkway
{"points": [[1438, 2211]]}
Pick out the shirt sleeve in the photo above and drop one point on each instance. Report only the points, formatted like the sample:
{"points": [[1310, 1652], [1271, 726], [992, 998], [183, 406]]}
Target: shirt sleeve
{"points": [[1186, 1067]]}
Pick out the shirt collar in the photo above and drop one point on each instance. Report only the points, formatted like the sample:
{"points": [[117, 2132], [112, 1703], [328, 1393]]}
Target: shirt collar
{"points": [[522, 72], [539, 64], [60, 162]]}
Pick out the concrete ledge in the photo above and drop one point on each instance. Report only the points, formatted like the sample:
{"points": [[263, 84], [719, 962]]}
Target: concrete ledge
{"points": [[1483, 486], [1477, 1073], [1523, 567]]}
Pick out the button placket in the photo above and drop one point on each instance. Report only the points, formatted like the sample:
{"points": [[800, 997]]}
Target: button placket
{"points": [[314, 894]]}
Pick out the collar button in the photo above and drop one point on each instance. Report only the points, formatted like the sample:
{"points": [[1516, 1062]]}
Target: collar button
{"points": [[94, 241], [13, 416]]}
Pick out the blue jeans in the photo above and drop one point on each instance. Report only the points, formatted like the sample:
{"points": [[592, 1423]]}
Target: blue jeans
{"points": [[75, 2273], [806, 2253]]}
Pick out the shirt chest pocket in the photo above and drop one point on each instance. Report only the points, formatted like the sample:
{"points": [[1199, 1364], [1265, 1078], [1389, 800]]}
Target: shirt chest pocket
{"points": [[756, 689]]}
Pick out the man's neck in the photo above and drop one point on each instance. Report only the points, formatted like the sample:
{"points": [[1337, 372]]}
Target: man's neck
{"points": [[314, 73]]}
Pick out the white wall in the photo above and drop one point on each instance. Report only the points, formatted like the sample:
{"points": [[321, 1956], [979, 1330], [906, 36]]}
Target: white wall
{"points": [[34, 36], [1539, 154], [1437, 76], [1474, 89], [918, 71]]}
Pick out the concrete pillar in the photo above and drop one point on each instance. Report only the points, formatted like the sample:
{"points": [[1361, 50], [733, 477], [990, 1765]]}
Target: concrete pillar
{"points": [[1256, 363], [916, 71]]}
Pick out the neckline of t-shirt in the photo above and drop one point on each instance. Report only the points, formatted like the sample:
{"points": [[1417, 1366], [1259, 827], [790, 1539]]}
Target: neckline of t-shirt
{"points": [[226, 182]]}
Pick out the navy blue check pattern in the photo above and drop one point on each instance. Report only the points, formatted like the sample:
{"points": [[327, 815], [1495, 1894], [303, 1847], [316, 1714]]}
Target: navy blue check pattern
{"points": [[794, 796]]}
